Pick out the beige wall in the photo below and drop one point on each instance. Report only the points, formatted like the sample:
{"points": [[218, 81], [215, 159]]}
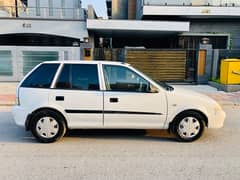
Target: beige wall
{"points": [[120, 9], [9, 2], [91, 12], [8, 6], [123, 9], [114, 8]]}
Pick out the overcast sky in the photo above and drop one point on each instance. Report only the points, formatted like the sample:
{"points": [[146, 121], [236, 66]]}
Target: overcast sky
{"points": [[99, 6]]}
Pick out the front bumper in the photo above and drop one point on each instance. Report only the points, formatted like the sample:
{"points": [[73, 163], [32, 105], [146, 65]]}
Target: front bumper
{"points": [[20, 115], [217, 119]]}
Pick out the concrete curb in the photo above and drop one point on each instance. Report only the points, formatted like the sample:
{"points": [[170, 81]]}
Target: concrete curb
{"points": [[5, 109], [7, 103]]}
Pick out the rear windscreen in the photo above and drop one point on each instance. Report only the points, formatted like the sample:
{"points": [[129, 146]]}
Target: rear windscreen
{"points": [[41, 77]]}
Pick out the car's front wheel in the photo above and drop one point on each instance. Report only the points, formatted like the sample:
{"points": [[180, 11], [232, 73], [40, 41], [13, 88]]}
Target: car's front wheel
{"points": [[48, 126], [188, 126]]}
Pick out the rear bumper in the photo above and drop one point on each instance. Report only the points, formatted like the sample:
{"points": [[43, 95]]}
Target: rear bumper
{"points": [[20, 115]]}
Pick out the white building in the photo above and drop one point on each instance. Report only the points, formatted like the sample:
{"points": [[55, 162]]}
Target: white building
{"points": [[39, 30]]}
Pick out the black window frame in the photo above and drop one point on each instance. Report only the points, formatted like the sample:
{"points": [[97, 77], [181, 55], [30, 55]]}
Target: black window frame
{"points": [[70, 77]]}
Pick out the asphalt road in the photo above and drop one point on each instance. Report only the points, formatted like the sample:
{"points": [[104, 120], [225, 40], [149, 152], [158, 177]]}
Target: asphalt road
{"points": [[121, 154]]}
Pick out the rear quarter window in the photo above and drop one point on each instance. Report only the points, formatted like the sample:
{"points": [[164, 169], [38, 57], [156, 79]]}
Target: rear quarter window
{"points": [[41, 77]]}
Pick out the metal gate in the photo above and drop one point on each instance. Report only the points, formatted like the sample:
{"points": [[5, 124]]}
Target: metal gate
{"points": [[159, 64], [165, 65]]}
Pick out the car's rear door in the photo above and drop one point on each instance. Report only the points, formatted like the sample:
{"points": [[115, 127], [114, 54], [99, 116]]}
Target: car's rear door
{"points": [[129, 101], [77, 92]]}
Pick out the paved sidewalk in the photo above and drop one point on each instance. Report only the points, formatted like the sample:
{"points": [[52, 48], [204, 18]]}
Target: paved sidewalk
{"points": [[8, 90]]}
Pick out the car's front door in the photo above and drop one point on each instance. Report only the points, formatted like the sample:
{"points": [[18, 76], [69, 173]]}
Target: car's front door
{"points": [[77, 92], [129, 101]]}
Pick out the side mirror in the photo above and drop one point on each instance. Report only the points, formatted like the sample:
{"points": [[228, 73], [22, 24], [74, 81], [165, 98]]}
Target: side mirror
{"points": [[153, 89]]}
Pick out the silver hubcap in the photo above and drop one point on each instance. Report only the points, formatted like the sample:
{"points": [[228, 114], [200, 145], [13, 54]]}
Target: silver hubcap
{"points": [[189, 127], [47, 127]]}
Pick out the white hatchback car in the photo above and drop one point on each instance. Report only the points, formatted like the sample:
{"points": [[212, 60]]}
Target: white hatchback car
{"points": [[56, 96]]}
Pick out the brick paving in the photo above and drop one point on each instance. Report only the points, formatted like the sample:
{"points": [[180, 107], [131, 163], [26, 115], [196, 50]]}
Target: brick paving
{"points": [[7, 94], [226, 98], [7, 99], [222, 97]]}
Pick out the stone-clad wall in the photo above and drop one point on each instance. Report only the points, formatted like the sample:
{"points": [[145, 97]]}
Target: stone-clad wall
{"points": [[228, 27]]}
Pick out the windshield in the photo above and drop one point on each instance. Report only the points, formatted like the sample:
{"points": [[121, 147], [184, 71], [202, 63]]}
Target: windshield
{"points": [[160, 83]]}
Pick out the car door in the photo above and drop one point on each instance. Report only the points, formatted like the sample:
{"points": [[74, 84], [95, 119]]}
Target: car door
{"points": [[77, 92], [130, 101]]}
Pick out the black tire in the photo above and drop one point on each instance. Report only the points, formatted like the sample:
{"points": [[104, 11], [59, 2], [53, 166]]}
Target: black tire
{"points": [[53, 117], [193, 132]]}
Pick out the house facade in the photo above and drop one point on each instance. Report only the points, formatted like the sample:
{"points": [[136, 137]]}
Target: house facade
{"points": [[171, 23], [175, 39], [33, 31], [39, 30]]}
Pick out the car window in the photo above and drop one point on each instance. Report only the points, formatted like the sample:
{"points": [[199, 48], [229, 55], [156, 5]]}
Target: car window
{"points": [[79, 77], [119, 78], [41, 77]]}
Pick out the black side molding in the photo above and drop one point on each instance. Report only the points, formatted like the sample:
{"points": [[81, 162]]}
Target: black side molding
{"points": [[83, 112], [109, 112]]}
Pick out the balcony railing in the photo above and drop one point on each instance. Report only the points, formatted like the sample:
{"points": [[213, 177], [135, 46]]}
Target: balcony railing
{"points": [[42, 13], [219, 3]]}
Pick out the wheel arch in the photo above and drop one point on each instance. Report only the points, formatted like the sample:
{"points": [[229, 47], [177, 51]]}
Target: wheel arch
{"points": [[30, 116], [205, 120]]}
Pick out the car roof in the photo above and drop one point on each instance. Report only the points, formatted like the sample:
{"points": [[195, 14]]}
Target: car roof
{"points": [[84, 62]]}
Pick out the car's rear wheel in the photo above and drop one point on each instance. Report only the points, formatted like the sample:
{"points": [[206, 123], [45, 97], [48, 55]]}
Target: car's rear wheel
{"points": [[188, 126], [48, 126]]}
